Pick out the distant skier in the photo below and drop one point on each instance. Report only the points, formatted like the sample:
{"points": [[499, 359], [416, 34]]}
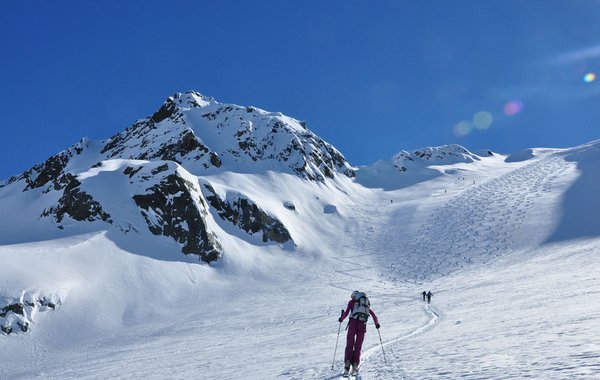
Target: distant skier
{"points": [[424, 294], [429, 295], [359, 309]]}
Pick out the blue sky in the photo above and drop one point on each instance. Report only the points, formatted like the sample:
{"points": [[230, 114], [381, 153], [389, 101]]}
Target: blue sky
{"points": [[370, 77]]}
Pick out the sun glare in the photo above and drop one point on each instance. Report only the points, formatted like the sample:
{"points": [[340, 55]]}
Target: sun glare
{"points": [[482, 120], [589, 77], [463, 128], [513, 107]]}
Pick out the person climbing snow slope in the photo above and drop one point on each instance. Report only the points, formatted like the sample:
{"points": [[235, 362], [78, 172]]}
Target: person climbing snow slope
{"points": [[359, 309], [429, 295]]}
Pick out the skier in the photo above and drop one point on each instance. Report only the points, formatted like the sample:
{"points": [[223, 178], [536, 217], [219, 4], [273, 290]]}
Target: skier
{"points": [[424, 294], [429, 294], [357, 327]]}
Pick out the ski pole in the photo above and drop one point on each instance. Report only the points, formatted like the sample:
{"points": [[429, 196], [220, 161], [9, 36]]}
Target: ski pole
{"points": [[336, 341], [382, 350]]}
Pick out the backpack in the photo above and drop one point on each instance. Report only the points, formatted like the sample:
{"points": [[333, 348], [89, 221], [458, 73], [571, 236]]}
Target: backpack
{"points": [[361, 307]]}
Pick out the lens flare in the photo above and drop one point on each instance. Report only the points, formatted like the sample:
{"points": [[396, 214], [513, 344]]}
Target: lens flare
{"points": [[589, 77], [513, 107], [463, 128], [482, 120]]}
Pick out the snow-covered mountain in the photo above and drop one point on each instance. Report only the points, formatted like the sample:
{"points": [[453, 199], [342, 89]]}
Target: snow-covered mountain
{"points": [[152, 169], [218, 240], [443, 155], [419, 165], [202, 134]]}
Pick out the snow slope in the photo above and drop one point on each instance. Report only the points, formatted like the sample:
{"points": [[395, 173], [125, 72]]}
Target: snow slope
{"points": [[507, 246]]}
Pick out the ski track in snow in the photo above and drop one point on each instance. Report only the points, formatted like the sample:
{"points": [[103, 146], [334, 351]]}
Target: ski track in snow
{"points": [[480, 223], [374, 361], [355, 263], [476, 224]]}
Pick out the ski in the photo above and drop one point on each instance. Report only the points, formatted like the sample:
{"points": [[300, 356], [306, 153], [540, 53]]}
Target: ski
{"points": [[351, 376]]}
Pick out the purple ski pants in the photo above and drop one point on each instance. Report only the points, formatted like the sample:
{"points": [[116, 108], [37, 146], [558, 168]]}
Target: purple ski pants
{"points": [[354, 341]]}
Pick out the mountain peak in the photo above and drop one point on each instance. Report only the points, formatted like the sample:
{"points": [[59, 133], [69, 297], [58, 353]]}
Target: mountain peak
{"points": [[182, 102], [202, 134], [192, 99], [437, 155]]}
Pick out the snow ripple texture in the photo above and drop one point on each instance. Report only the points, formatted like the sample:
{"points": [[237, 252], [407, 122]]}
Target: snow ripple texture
{"points": [[477, 225]]}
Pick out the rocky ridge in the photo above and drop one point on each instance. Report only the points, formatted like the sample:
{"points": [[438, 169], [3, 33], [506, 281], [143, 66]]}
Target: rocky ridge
{"points": [[440, 155]]}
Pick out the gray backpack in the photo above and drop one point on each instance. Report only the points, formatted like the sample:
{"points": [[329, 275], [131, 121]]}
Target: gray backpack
{"points": [[361, 307]]}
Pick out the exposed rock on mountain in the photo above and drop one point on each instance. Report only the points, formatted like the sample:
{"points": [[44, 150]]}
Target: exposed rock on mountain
{"points": [[201, 133], [440, 155], [49, 171], [76, 203], [16, 315], [174, 207], [244, 213]]}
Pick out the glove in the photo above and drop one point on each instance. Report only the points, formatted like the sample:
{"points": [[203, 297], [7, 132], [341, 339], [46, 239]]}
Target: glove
{"points": [[340, 319], [377, 326]]}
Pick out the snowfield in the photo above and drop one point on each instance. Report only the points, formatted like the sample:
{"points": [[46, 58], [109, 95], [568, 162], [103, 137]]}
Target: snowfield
{"points": [[509, 248]]}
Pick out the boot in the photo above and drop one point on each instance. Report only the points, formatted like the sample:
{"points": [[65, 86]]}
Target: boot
{"points": [[346, 369]]}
